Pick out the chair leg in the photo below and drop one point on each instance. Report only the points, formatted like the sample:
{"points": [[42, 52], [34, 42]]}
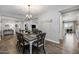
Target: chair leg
{"points": [[18, 46], [44, 49], [20, 49], [38, 50], [23, 49]]}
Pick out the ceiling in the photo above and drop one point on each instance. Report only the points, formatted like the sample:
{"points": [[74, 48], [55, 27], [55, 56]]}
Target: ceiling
{"points": [[20, 11]]}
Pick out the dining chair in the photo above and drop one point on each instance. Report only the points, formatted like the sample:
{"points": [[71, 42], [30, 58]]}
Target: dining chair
{"points": [[40, 41], [34, 30], [21, 42], [39, 32], [17, 40]]}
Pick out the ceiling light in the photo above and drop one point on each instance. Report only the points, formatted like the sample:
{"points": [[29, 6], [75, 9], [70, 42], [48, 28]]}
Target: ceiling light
{"points": [[28, 15]]}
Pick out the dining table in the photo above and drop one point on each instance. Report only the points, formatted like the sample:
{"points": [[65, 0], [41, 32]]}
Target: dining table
{"points": [[30, 38]]}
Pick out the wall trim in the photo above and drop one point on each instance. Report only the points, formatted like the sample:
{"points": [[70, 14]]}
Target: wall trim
{"points": [[53, 41]]}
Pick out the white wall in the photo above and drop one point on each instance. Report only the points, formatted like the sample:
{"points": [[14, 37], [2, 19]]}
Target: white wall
{"points": [[49, 22]]}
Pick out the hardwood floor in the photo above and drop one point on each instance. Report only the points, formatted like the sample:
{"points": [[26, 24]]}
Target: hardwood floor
{"points": [[70, 44], [8, 46]]}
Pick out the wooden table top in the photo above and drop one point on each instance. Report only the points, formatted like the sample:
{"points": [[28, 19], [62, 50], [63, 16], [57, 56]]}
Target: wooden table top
{"points": [[30, 37]]}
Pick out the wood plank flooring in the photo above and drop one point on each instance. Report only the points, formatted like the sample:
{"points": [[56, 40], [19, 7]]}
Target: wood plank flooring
{"points": [[8, 46]]}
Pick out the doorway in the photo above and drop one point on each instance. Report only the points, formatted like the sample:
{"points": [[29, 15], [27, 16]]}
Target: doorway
{"points": [[70, 39], [69, 27]]}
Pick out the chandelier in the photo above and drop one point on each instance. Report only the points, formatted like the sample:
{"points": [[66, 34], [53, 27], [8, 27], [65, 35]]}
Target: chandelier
{"points": [[28, 15]]}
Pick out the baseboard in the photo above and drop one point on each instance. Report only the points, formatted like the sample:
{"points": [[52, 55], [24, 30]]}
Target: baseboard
{"points": [[53, 41]]}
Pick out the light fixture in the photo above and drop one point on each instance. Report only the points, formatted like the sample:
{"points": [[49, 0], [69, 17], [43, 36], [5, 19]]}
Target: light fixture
{"points": [[28, 15]]}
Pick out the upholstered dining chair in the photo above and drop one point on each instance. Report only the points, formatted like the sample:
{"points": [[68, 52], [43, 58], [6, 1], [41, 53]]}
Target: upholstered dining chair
{"points": [[40, 41], [39, 32], [35, 31], [21, 42]]}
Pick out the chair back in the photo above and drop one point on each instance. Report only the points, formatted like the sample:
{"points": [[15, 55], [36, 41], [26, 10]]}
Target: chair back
{"points": [[17, 35], [20, 38], [39, 32], [35, 31], [41, 38]]}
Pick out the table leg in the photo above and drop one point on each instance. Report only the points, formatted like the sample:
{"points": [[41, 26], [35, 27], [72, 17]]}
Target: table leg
{"points": [[30, 47]]}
